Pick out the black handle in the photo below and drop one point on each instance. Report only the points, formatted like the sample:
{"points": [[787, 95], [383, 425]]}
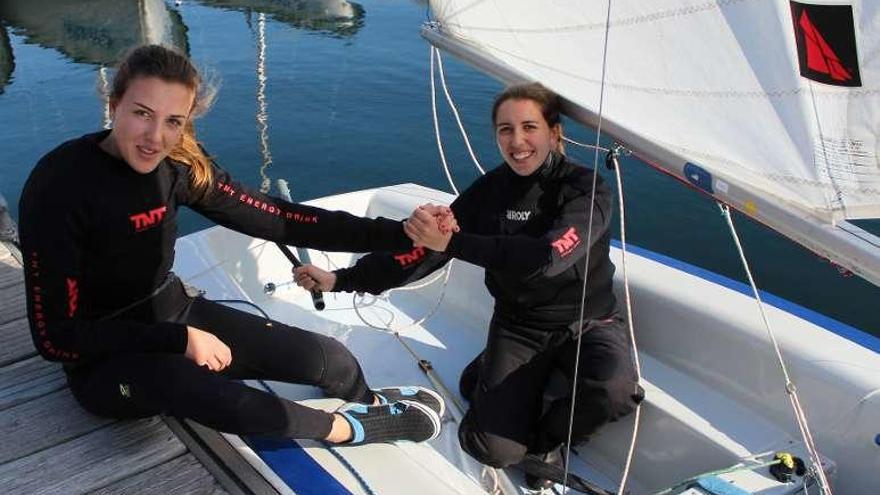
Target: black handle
{"points": [[317, 296]]}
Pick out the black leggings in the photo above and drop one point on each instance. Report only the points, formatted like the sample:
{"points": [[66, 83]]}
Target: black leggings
{"points": [[506, 388], [145, 384]]}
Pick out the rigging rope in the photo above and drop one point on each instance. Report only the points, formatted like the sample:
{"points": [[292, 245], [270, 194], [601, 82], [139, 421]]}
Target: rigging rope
{"points": [[423, 363], [437, 125], [629, 319], [577, 355], [464, 135], [588, 146], [790, 389]]}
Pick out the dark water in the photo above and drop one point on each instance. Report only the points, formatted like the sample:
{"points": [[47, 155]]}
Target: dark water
{"points": [[347, 103]]}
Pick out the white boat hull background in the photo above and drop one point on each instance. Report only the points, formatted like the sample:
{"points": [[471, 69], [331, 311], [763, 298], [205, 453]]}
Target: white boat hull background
{"points": [[715, 393]]}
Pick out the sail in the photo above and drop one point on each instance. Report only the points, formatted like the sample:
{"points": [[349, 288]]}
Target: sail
{"points": [[778, 96]]}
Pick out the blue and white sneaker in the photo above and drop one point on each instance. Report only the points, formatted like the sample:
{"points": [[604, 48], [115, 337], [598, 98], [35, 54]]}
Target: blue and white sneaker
{"points": [[421, 395], [404, 420]]}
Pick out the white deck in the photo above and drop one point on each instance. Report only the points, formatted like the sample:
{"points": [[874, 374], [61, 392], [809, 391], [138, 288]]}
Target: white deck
{"points": [[714, 392]]}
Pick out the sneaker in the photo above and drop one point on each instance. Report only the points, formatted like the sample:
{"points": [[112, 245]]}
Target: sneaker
{"points": [[540, 484], [404, 420], [416, 394]]}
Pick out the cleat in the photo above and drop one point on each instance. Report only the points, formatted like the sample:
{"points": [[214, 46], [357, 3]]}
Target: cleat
{"points": [[405, 420], [422, 395]]}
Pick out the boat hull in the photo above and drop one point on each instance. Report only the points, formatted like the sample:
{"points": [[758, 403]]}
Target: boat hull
{"points": [[715, 391]]}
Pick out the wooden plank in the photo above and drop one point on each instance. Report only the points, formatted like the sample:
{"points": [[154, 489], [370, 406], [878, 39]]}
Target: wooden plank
{"points": [[10, 271], [220, 458], [182, 475], [15, 342], [44, 422], [29, 379], [92, 461], [12, 304]]}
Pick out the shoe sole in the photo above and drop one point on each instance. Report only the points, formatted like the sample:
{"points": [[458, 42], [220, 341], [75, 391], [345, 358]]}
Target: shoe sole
{"points": [[428, 391], [432, 414]]}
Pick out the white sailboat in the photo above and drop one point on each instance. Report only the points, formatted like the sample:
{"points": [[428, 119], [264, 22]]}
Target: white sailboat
{"points": [[716, 93]]}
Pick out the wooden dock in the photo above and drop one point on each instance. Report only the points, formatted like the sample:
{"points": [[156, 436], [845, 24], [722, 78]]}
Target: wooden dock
{"points": [[48, 444]]}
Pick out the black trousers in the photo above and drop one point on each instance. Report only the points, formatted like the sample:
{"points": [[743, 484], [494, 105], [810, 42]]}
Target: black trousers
{"points": [[506, 387], [145, 384]]}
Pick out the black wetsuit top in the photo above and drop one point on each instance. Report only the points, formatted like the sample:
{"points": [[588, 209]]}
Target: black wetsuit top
{"points": [[97, 236], [529, 233]]}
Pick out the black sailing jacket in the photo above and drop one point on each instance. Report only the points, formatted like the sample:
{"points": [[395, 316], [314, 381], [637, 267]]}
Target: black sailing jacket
{"points": [[97, 236], [529, 233]]}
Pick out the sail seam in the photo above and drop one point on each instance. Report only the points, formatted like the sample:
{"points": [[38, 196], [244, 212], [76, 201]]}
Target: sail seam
{"points": [[627, 21], [778, 93]]}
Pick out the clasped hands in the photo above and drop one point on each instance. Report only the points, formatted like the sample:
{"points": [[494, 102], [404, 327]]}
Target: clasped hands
{"points": [[429, 226]]}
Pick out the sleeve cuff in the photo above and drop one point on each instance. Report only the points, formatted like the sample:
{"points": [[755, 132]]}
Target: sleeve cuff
{"points": [[174, 337], [343, 280]]}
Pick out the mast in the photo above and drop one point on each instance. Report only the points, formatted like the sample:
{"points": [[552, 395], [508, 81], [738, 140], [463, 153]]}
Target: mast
{"points": [[842, 242]]}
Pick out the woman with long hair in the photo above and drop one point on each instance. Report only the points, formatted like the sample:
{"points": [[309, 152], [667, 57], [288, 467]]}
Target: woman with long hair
{"points": [[98, 219]]}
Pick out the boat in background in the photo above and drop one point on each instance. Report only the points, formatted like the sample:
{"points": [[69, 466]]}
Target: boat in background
{"points": [[94, 31], [339, 18]]}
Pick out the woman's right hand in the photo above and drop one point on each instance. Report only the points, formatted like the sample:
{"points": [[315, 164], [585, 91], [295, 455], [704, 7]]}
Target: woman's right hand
{"points": [[312, 278], [205, 349]]}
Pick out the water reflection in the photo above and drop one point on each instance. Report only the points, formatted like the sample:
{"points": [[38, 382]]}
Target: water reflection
{"points": [[7, 63], [338, 18], [93, 31]]}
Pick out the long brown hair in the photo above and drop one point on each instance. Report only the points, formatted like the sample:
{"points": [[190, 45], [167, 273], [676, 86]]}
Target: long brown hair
{"points": [[172, 66], [548, 101]]}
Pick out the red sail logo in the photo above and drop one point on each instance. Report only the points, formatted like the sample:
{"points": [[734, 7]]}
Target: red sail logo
{"points": [[826, 43], [820, 56]]}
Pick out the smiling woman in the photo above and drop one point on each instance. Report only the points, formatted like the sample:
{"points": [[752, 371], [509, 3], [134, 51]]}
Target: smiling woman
{"points": [[533, 223], [527, 127], [98, 227]]}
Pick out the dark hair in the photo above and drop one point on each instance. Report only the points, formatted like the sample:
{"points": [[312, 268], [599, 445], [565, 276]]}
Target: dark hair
{"points": [[172, 66], [548, 101]]}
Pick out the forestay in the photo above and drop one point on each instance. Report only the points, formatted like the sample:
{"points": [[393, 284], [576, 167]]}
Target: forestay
{"points": [[771, 106]]}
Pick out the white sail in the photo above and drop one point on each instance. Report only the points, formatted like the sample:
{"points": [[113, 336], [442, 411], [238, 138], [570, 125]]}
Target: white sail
{"points": [[717, 81], [714, 92]]}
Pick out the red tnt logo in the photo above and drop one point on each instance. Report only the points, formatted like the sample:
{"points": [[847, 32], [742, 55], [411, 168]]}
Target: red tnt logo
{"points": [[143, 221], [566, 244], [411, 257], [72, 297]]}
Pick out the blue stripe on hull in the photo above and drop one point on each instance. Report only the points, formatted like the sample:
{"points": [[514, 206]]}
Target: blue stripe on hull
{"points": [[846, 331], [296, 467]]}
